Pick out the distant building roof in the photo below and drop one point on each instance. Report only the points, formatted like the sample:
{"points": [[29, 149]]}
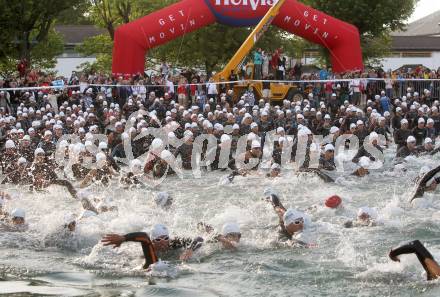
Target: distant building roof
{"points": [[75, 34], [419, 43], [426, 26]]}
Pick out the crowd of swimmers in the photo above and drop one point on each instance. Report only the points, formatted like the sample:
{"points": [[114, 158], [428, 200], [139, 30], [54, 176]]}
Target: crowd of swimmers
{"points": [[36, 153]]}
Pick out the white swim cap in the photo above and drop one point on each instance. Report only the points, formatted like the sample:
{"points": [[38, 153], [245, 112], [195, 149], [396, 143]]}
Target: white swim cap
{"points": [[364, 162], [373, 136], [166, 155], [334, 130], [230, 228], [18, 213], [103, 146], [291, 215], [256, 144], [329, 147], [410, 139], [365, 210], [9, 144], [136, 166], [159, 230], [39, 151]]}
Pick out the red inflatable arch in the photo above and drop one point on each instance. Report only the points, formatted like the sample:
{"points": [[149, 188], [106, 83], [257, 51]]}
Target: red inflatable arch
{"points": [[133, 40]]}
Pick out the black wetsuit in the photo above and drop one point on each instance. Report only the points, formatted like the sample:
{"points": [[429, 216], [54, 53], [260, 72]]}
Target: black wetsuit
{"points": [[215, 165], [361, 135], [400, 137], [48, 146], [43, 175], [277, 154], [103, 175], [79, 171], [306, 163], [416, 247], [27, 153], [185, 150], [130, 180], [405, 152], [150, 253], [327, 164], [161, 168], [362, 152], [283, 235], [420, 135], [18, 177], [7, 159]]}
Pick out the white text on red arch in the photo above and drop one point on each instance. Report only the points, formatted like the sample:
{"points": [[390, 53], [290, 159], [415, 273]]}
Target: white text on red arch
{"points": [[306, 25]]}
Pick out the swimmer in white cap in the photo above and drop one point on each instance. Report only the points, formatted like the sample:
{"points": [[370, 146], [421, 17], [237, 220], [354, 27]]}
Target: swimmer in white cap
{"points": [[275, 171], [229, 238], [134, 177], [364, 218], [327, 159], [102, 173], [155, 244], [291, 221], [16, 222], [43, 174], [164, 165], [409, 150], [373, 152]]}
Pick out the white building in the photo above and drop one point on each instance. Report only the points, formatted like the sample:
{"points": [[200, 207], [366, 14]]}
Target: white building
{"points": [[74, 35], [418, 44]]}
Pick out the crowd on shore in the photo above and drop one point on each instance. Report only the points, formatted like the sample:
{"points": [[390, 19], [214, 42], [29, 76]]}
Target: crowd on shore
{"points": [[97, 104]]}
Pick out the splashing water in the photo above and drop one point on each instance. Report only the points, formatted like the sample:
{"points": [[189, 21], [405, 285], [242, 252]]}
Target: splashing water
{"points": [[345, 262]]}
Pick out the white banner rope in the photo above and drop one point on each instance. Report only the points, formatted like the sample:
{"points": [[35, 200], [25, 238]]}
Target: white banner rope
{"points": [[241, 82]]}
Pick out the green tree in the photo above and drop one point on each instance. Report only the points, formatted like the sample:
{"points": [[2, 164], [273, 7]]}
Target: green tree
{"points": [[44, 53], [79, 14], [374, 19], [29, 34], [101, 47], [109, 14]]}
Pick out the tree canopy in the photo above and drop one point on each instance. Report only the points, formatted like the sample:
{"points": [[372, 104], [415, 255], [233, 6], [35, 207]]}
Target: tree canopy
{"points": [[374, 19], [28, 30]]}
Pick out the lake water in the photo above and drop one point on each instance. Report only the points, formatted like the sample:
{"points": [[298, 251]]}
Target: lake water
{"points": [[345, 262]]}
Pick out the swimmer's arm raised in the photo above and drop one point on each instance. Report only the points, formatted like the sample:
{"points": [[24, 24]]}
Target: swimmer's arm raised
{"points": [[426, 259], [142, 237]]}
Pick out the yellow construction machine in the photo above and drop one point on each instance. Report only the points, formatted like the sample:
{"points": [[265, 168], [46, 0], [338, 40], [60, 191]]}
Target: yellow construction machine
{"points": [[278, 91]]}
